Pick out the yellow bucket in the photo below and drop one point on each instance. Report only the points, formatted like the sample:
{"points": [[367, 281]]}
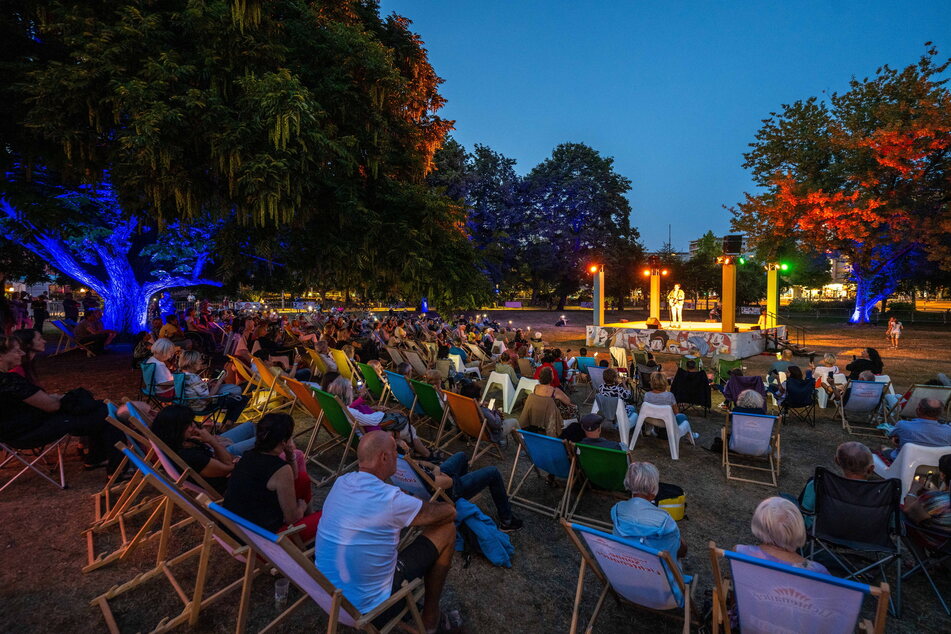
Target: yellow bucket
{"points": [[675, 506]]}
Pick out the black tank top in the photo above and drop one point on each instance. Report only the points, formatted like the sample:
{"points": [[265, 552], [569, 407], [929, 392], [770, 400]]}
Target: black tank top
{"points": [[248, 495]]}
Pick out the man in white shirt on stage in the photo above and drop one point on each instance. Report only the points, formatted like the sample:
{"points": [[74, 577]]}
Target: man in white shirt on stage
{"points": [[675, 299]]}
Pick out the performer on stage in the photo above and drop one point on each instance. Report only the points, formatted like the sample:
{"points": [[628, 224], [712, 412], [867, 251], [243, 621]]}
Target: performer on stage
{"points": [[675, 300]]}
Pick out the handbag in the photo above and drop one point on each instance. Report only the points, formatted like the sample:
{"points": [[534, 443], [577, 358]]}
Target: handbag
{"points": [[78, 402]]}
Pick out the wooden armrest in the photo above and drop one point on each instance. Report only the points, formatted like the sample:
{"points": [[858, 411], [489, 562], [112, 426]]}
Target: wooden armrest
{"points": [[406, 590]]}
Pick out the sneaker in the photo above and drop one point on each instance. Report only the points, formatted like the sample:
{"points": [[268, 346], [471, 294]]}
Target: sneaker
{"points": [[512, 525]]}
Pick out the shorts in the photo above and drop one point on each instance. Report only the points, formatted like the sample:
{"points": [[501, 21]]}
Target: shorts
{"points": [[413, 562]]}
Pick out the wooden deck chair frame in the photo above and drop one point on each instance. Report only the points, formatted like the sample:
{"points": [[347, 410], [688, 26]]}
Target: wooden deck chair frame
{"points": [[67, 340], [371, 378], [773, 459], [395, 357], [173, 498], [36, 462], [332, 422], [868, 428], [317, 362], [282, 545], [470, 423], [685, 584], [394, 378], [273, 390], [413, 358], [476, 351], [108, 498], [424, 392], [533, 505], [919, 391], [722, 588], [618, 493], [425, 482], [254, 389], [345, 365]]}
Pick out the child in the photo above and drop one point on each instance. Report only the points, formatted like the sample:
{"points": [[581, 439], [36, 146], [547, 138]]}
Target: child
{"points": [[893, 332]]}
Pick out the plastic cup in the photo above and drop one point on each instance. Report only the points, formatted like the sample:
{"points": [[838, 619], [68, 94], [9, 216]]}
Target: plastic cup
{"points": [[281, 587]]}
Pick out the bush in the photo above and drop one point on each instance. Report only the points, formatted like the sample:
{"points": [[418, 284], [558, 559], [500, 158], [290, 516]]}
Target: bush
{"points": [[800, 306], [892, 306]]}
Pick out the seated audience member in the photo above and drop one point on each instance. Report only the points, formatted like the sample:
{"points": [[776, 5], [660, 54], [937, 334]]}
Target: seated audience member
{"points": [[33, 418], [797, 388], [90, 334], [750, 402], [548, 362], [192, 363], [31, 344], [591, 426], [269, 486], [660, 394], [508, 365], [778, 527], [163, 351], [782, 364], [70, 309], [356, 547], [323, 349], [869, 360], [545, 388], [925, 429], [826, 368], [499, 426], [212, 457], [639, 519], [454, 477], [174, 333], [931, 508], [855, 461], [613, 387]]}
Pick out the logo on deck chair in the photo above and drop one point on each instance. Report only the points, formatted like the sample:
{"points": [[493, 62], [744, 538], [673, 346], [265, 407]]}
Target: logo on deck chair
{"points": [[629, 561], [791, 598]]}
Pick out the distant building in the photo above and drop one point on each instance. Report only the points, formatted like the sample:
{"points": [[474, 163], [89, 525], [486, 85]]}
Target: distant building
{"points": [[695, 246]]}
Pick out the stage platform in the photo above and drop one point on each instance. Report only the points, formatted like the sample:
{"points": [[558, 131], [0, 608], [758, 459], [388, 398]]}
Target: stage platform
{"points": [[705, 336]]}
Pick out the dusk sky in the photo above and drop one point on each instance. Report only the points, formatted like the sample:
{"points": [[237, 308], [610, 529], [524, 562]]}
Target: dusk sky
{"points": [[673, 91]]}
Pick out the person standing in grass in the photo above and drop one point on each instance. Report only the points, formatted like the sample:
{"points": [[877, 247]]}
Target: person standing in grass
{"points": [[893, 332]]}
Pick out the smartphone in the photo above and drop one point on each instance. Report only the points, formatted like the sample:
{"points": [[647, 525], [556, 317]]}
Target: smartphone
{"points": [[360, 384]]}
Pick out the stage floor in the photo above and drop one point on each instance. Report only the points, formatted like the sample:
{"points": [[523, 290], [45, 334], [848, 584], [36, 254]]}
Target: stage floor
{"points": [[711, 326], [704, 336]]}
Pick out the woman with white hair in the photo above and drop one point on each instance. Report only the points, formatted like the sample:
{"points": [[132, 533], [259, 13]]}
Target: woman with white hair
{"points": [[750, 402], [778, 527], [163, 383], [639, 519]]}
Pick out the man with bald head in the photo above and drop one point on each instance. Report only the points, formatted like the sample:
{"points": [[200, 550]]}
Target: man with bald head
{"points": [[356, 547], [856, 462], [925, 429]]}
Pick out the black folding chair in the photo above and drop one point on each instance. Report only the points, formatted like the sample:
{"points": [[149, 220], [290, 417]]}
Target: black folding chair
{"points": [[691, 389], [930, 548], [644, 378], [858, 524], [800, 401]]}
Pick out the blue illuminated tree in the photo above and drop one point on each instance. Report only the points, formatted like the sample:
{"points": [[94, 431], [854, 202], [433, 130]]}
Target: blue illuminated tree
{"points": [[85, 235]]}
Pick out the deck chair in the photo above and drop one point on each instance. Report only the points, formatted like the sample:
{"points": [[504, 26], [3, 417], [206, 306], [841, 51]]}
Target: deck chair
{"points": [[36, 460], [752, 438], [401, 389], [937, 554], [861, 413], [467, 415], [460, 367], [317, 365], [639, 357], [618, 356], [276, 396], [161, 524], [884, 378], [663, 416], [476, 352], [906, 464], [68, 341], [614, 411], [775, 597], [691, 389], [635, 574], [499, 381], [597, 380], [858, 523], [918, 392], [822, 397], [344, 365], [546, 454], [800, 401], [411, 479], [604, 469], [284, 555], [395, 357], [336, 419], [107, 501], [525, 368], [375, 386], [414, 360], [526, 385], [427, 398]]}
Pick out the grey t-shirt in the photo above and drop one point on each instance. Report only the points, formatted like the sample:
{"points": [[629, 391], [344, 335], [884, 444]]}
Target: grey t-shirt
{"points": [[660, 398]]}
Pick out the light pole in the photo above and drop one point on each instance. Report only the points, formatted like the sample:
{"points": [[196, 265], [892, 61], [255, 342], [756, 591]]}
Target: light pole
{"points": [[597, 300], [728, 293], [655, 270], [772, 292]]}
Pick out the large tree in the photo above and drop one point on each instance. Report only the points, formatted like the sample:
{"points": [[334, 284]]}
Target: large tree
{"points": [[866, 175]]}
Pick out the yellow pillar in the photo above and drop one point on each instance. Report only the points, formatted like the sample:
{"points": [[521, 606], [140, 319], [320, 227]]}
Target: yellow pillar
{"points": [[728, 297], [772, 295], [598, 299], [655, 294]]}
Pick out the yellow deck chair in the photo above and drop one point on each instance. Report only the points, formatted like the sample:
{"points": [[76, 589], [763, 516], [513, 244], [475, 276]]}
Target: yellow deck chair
{"points": [[317, 362], [344, 365]]}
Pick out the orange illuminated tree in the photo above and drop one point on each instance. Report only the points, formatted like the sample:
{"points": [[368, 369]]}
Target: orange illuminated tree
{"points": [[866, 176]]}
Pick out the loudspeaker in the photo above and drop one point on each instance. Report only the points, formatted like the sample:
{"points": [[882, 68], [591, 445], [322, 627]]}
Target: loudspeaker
{"points": [[733, 244], [653, 326]]}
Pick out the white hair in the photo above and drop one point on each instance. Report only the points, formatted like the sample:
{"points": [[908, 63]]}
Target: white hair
{"points": [[163, 349], [642, 478], [343, 388], [750, 399], [778, 522]]}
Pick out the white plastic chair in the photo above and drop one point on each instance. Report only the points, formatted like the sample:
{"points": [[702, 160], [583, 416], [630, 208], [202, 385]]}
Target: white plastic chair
{"points": [[504, 383], [498, 347], [526, 385], [665, 413], [884, 378], [822, 397], [459, 366], [906, 463], [613, 410]]}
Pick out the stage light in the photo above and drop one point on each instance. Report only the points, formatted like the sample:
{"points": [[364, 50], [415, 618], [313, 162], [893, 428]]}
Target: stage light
{"points": [[593, 268], [783, 267], [664, 272], [742, 260], [647, 272]]}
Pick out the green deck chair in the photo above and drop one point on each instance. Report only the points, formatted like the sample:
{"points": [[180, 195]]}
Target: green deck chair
{"points": [[602, 468], [375, 386], [339, 422], [428, 399], [724, 368]]}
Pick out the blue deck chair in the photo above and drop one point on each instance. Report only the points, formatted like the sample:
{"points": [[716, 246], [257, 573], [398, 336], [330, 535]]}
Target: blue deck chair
{"points": [[401, 389], [633, 573], [864, 408], [549, 455], [775, 597], [284, 555], [583, 363]]}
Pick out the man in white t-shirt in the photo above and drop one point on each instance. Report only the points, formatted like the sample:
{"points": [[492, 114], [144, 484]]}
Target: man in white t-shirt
{"points": [[356, 547]]}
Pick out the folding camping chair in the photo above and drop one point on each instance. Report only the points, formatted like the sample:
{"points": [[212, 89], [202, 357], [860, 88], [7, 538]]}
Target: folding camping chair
{"points": [[800, 401], [172, 498], [282, 553], [775, 597], [337, 421], [864, 405], [722, 369], [525, 385], [401, 389], [604, 469], [150, 389], [614, 411], [857, 520], [375, 385], [652, 414], [499, 381], [643, 374], [752, 437], [936, 554], [596, 375], [910, 459], [636, 574], [467, 415], [691, 389], [68, 341], [546, 454], [738, 384]]}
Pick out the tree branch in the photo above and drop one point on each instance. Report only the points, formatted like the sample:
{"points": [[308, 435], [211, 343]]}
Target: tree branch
{"points": [[174, 282]]}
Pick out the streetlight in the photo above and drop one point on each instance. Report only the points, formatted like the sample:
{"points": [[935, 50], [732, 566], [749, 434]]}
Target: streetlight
{"points": [[597, 298], [655, 270]]}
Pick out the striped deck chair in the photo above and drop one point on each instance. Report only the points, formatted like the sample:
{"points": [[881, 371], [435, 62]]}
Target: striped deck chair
{"points": [[775, 597], [635, 574], [68, 341], [546, 454], [281, 553]]}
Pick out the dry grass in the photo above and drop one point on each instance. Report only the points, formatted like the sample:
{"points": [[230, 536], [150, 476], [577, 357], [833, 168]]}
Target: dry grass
{"points": [[43, 590]]}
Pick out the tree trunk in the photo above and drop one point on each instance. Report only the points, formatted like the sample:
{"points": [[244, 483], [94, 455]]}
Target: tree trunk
{"points": [[562, 300], [126, 307]]}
